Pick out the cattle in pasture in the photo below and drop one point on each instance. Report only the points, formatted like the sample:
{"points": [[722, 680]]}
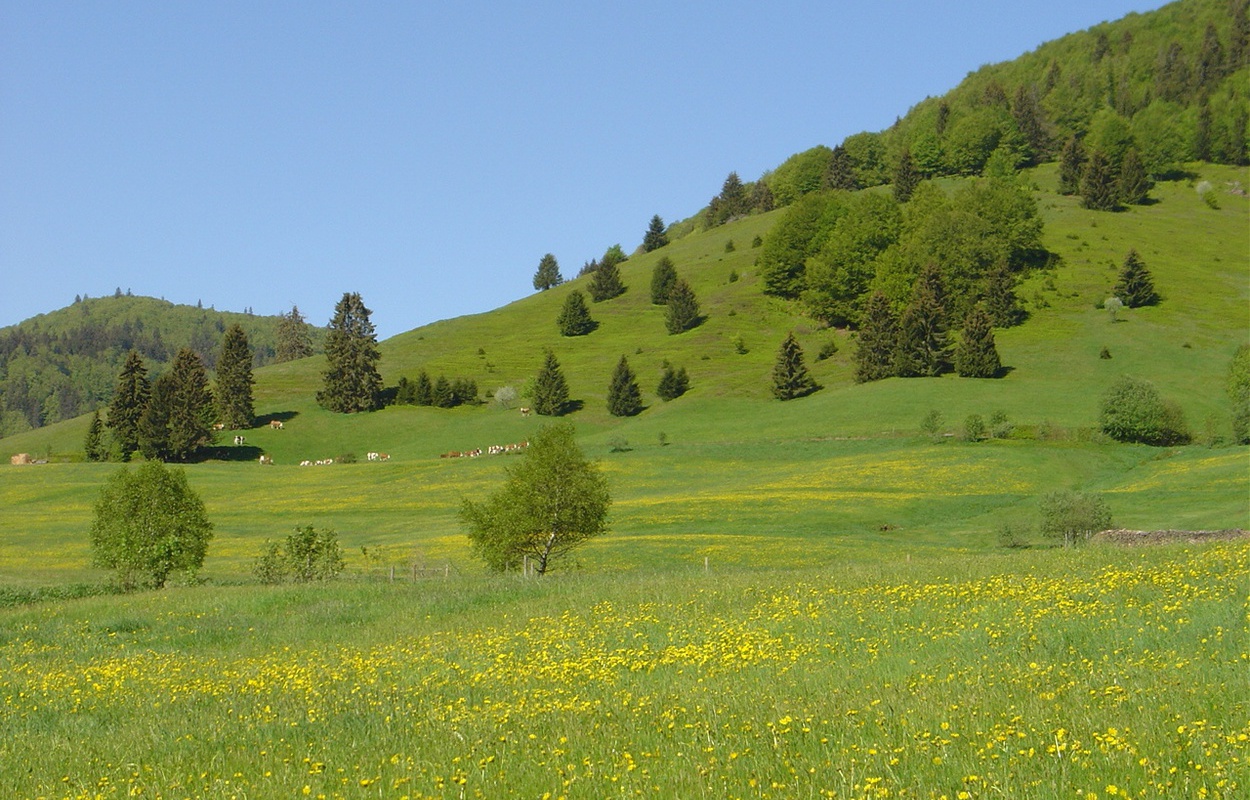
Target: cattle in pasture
{"points": [[371, 456], [239, 440], [275, 424], [305, 463], [525, 412], [219, 426], [20, 459], [266, 460]]}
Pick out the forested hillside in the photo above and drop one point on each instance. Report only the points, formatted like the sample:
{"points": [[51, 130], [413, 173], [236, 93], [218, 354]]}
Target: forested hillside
{"points": [[59, 365]]}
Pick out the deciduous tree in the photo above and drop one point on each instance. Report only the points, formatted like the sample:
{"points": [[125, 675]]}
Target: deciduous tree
{"points": [[1134, 411]]}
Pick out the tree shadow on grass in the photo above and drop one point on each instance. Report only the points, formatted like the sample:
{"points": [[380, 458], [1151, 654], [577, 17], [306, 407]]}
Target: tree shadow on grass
{"points": [[245, 452], [277, 416]]}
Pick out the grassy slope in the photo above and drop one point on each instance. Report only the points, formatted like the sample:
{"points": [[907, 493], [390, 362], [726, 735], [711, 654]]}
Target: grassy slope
{"points": [[745, 479]]}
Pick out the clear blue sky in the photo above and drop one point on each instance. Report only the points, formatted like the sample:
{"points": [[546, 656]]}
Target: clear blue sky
{"points": [[427, 154]]}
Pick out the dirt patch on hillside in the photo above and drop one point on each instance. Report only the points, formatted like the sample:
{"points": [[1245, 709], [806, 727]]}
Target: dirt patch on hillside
{"points": [[1158, 537]]}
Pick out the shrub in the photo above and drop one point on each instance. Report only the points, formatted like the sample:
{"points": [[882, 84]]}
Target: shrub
{"points": [[1133, 411], [1073, 517], [307, 555], [932, 423], [1000, 426], [974, 428], [827, 350]]}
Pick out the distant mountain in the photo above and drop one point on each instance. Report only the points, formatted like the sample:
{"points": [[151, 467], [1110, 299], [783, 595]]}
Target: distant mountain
{"points": [[65, 363]]}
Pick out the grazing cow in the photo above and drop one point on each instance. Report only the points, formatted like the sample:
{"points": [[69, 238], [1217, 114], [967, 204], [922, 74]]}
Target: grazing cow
{"points": [[238, 440], [20, 459], [371, 456], [525, 412], [219, 426], [276, 424], [305, 463], [266, 460], [384, 456]]}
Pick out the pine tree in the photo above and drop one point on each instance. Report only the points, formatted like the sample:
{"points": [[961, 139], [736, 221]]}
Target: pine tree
{"points": [[1001, 302], [624, 397], [1029, 120], [1239, 36], [130, 398], [605, 282], [923, 338], [1071, 165], [655, 237], [1202, 133], [1098, 184], [762, 200], [906, 178], [878, 340], [1136, 286], [733, 200], [423, 390], [551, 392], [293, 338], [663, 278], [1210, 67], [351, 379], [976, 356], [93, 445], [234, 380], [1133, 186], [682, 313], [178, 420], [574, 319], [840, 174], [673, 383], [790, 376], [548, 274], [441, 395]]}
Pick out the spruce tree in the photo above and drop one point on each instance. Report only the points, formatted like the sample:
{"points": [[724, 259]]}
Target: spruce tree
{"points": [[790, 376], [153, 430], [906, 178], [878, 340], [1136, 286], [551, 392], [976, 356], [840, 174], [624, 397], [663, 278], [423, 390], [762, 200], [293, 337], [655, 237], [1098, 184], [923, 338], [441, 395], [130, 398], [548, 274], [1202, 133], [682, 313], [1133, 185], [1030, 122], [178, 421], [93, 444], [1001, 302], [605, 282], [574, 319], [1071, 165], [234, 380], [351, 379], [673, 383]]}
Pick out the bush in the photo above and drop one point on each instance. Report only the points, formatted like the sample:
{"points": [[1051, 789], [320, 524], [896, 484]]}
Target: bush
{"points": [[1073, 517], [307, 555], [974, 428], [1133, 411], [827, 350], [1000, 426], [932, 423]]}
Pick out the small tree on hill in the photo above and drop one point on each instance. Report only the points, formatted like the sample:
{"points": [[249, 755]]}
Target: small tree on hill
{"points": [[1238, 388], [93, 444], [234, 380], [906, 178], [1001, 302], [293, 337], [878, 341], [149, 524], [976, 356], [1099, 190], [551, 392], [574, 319], [673, 383], [130, 400], [840, 174], [441, 395], [790, 376], [1135, 287], [1134, 411], [552, 501], [655, 237], [624, 397], [1133, 185], [351, 382], [307, 555], [1073, 517], [548, 274], [178, 420], [1071, 165], [605, 282], [923, 338], [663, 279], [423, 390], [682, 313]]}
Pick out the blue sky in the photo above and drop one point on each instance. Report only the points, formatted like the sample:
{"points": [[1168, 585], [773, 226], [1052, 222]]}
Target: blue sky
{"points": [[427, 154]]}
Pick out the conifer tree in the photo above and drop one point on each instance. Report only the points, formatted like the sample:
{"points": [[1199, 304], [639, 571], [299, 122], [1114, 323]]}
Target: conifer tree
{"points": [[1202, 133], [840, 174], [234, 380], [178, 420], [1239, 36], [624, 397], [1030, 122], [351, 379], [923, 337], [548, 274], [93, 445], [551, 392], [1133, 185], [1136, 286], [762, 199], [790, 376], [441, 395], [605, 282], [293, 337], [663, 278], [1098, 184], [673, 383], [1210, 67], [1071, 165], [423, 390], [906, 178], [976, 356], [878, 341], [574, 319], [130, 398], [655, 237], [1001, 302], [682, 313]]}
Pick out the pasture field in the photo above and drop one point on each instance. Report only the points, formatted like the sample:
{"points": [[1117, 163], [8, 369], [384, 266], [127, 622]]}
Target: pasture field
{"points": [[1099, 672]]}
